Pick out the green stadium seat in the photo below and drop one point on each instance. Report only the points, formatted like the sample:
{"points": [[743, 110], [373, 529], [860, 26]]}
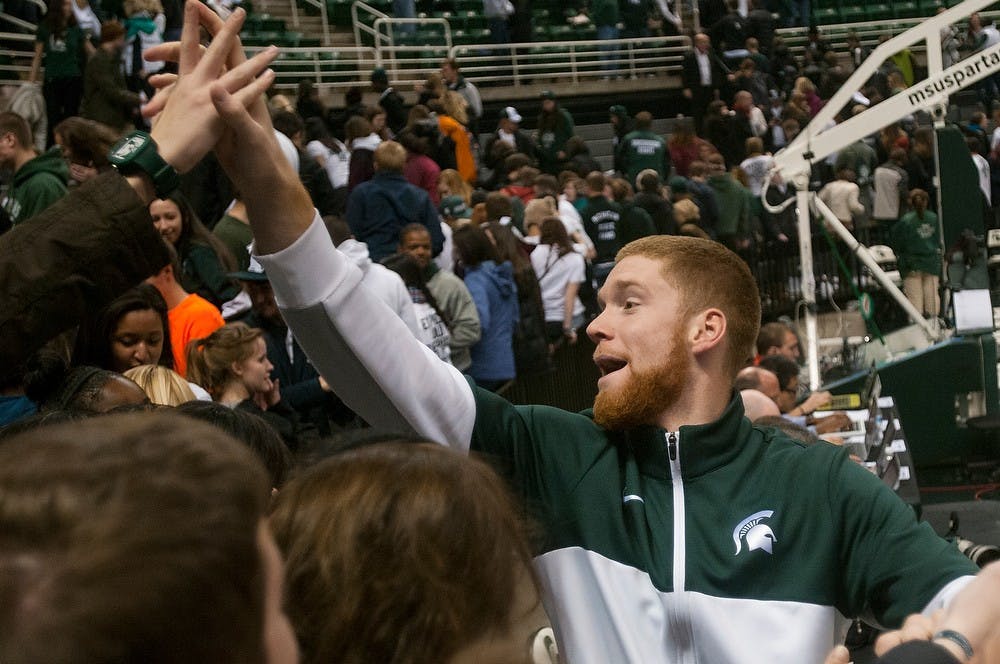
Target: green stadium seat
{"points": [[878, 11], [826, 15], [339, 12], [930, 7], [851, 13], [906, 9]]}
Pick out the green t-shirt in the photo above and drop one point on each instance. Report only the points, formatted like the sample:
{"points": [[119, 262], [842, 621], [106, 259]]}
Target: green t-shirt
{"points": [[63, 57]]}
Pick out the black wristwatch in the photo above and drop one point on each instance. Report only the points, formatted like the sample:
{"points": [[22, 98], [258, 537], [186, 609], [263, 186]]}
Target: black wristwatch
{"points": [[136, 153]]}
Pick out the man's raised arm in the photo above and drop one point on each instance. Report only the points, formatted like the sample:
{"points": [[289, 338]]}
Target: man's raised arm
{"points": [[363, 350]]}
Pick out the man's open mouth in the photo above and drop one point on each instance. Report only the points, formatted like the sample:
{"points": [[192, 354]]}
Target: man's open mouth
{"points": [[608, 364]]}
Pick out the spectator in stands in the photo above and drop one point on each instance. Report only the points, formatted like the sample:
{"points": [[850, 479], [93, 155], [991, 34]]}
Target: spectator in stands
{"points": [[697, 189], [190, 315], [570, 214], [757, 166], [432, 324], [815, 43], [604, 15], [443, 523], [233, 366], [761, 380], [760, 29], [83, 389], [729, 32], [856, 51], [601, 219], [233, 231], [64, 48], [331, 154], [144, 24], [778, 338], [497, 13], [734, 225], [635, 15], [757, 405], [389, 99], [420, 169], [38, 180], [702, 74], [377, 210], [307, 101], [802, 413], [163, 386], [133, 330], [578, 157], [555, 127], [452, 75], [891, 191], [842, 196], [684, 146], [509, 132], [859, 157], [451, 184], [560, 270], [643, 149], [404, 9], [289, 125], [106, 99], [749, 79], [377, 116], [205, 261], [621, 124], [784, 66], [452, 122], [522, 183], [85, 146], [650, 198], [361, 141], [449, 291], [635, 221], [494, 292], [188, 538], [917, 243]]}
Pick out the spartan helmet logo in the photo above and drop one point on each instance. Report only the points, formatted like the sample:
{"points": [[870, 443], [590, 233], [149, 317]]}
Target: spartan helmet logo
{"points": [[757, 535]]}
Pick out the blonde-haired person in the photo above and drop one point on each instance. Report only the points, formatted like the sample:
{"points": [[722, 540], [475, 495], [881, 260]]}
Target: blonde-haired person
{"points": [[232, 364], [451, 117], [444, 537], [163, 386], [450, 183]]}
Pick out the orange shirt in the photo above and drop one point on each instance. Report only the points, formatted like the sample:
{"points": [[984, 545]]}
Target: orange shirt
{"points": [[194, 318], [454, 130]]}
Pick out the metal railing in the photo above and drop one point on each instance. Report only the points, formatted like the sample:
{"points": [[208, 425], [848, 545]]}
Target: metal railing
{"points": [[16, 49], [567, 62], [572, 62], [321, 6], [868, 32]]}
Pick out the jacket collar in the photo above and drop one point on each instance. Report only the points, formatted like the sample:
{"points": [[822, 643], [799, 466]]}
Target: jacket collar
{"points": [[701, 448]]}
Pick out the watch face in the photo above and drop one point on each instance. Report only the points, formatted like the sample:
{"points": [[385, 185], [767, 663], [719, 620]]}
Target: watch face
{"points": [[128, 147]]}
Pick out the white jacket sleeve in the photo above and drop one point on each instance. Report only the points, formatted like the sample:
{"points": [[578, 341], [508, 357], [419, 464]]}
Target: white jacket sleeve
{"points": [[362, 348]]}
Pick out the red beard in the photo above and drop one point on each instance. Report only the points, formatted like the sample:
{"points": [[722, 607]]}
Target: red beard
{"points": [[647, 394]]}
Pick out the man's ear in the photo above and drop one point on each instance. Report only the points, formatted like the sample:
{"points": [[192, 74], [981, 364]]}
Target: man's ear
{"points": [[708, 329]]}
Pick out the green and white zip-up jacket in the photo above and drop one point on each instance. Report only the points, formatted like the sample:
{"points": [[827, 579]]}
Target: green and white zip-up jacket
{"points": [[720, 543]]}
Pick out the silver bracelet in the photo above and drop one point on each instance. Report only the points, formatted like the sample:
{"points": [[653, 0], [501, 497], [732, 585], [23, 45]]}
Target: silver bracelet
{"points": [[957, 638]]}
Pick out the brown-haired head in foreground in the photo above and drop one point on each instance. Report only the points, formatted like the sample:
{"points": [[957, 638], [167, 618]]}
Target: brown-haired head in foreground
{"points": [[706, 274], [130, 539], [397, 553]]}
